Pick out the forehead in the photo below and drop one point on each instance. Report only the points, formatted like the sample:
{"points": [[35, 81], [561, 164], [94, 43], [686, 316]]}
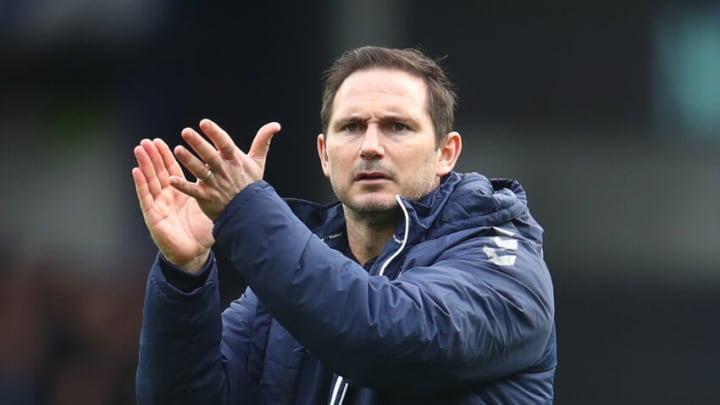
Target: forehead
{"points": [[381, 89]]}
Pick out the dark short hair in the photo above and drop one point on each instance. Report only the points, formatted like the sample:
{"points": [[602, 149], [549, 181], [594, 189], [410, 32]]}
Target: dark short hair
{"points": [[441, 98]]}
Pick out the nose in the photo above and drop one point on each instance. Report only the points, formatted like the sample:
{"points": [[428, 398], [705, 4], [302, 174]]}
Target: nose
{"points": [[371, 147]]}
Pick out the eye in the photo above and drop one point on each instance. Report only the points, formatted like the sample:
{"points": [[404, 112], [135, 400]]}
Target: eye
{"points": [[399, 127], [351, 127]]}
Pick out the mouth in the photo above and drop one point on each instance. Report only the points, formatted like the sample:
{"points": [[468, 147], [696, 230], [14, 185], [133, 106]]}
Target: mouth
{"points": [[371, 176]]}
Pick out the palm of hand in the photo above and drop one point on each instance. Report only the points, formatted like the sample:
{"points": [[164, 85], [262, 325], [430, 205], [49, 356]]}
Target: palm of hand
{"points": [[178, 226], [180, 229]]}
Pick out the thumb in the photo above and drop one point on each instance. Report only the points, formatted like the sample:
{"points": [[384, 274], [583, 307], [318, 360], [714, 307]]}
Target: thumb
{"points": [[261, 144]]}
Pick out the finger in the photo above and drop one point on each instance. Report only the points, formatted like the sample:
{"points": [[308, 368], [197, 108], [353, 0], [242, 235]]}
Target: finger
{"points": [[261, 143], [171, 164], [194, 165], [146, 166], [221, 139], [141, 189], [204, 149], [186, 187], [157, 161]]}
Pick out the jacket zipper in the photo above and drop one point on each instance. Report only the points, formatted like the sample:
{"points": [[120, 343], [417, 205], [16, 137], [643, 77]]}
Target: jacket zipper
{"points": [[340, 386]]}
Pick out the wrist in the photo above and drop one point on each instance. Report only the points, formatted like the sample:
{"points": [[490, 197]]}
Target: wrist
{"points": [[193, 266]]}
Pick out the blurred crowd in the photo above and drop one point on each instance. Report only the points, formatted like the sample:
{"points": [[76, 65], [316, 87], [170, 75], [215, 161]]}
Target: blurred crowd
{"points": [[67, 340]]}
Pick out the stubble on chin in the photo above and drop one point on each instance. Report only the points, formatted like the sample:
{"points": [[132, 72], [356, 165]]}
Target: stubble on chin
{"points": [[369, 212], [373, 215], [378, 212]]}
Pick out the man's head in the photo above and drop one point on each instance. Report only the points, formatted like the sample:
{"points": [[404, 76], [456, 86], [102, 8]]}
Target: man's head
{"points": [[441, 96], [380, 139]]}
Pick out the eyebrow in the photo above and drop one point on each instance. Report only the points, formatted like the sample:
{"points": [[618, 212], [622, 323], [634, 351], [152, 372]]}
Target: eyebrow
{"points": [[385, 118], [349, 119]]}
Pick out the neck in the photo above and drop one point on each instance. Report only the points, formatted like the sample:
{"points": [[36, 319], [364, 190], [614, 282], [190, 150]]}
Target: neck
{"points": [[368, 233]]}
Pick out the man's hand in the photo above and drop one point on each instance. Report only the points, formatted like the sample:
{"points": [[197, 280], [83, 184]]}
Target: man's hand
{"points": [[180, 229], [222, 169]]}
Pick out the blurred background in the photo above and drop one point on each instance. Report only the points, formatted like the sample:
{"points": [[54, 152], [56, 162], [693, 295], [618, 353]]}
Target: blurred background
{"points": [[608, 113]]}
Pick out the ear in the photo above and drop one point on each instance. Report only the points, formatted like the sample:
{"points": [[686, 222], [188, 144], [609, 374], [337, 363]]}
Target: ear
{"points": [[322, 154], [448, 153]]}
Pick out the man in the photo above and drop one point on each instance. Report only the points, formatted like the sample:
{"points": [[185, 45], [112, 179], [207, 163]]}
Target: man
{"points": [[421, 286]]}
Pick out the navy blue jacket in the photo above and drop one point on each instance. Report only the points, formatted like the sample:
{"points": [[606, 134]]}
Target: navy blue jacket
{"points": [[457, 308]]}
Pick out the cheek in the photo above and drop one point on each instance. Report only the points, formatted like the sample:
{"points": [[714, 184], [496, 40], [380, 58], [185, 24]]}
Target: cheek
{"points": [[334, 169], [330, 158], [421, 166], [425, 172], [337, 162]]}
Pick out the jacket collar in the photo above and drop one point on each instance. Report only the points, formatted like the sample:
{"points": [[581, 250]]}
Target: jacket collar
{"points": [[461, 201]]}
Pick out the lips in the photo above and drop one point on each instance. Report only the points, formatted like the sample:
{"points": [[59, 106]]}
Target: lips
{"points": [[370, 176]]}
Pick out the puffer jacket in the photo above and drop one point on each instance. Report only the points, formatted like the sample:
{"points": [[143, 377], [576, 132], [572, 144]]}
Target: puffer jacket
{"points": [[457, 308]]}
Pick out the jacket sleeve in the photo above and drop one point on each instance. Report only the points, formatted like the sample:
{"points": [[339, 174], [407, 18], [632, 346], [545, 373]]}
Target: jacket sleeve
{"points": [[186, 356], [460, 322]]}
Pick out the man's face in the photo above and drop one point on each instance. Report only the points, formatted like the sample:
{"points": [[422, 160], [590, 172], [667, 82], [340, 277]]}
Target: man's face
{"points": [[381, 141]]}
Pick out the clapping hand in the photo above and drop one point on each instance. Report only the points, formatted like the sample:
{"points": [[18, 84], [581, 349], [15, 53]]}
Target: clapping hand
{"points": [[179, 213], [222, 169], [179, 228]]}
